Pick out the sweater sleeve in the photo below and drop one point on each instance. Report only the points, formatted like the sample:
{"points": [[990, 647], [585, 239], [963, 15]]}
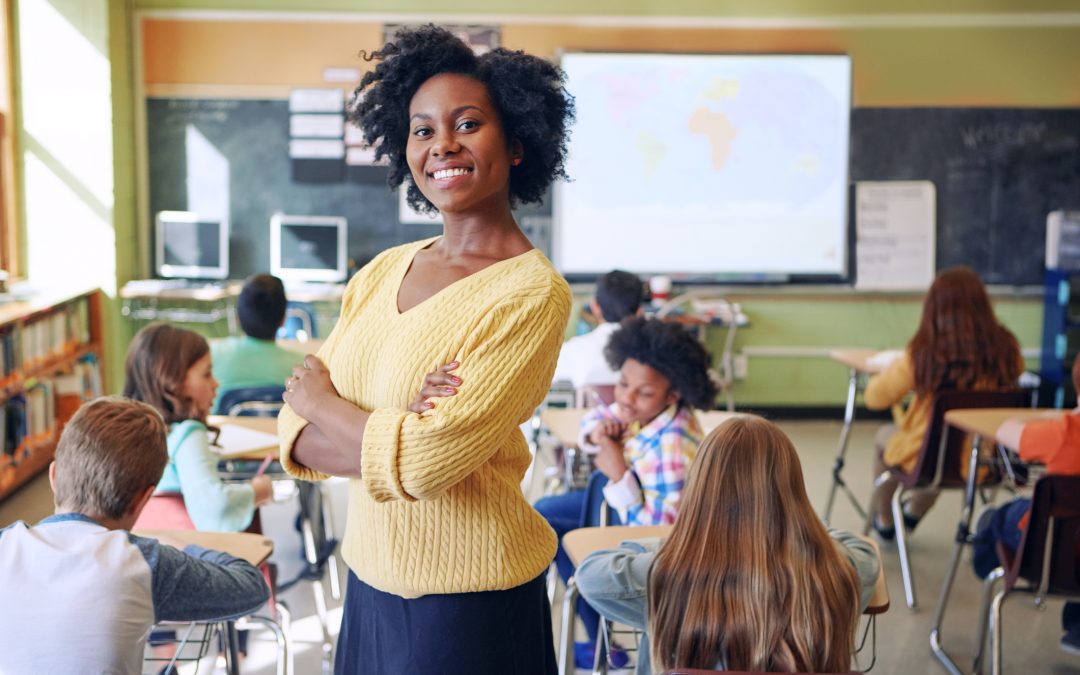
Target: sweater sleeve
{"points": [[289, 424], [212, 504], [506, 367], [890, 386], [863, 557]]}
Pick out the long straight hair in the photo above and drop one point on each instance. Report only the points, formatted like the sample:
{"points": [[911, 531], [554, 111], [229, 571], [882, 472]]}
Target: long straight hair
{"points": [[157, 364], [749, 577], [960, 344]]}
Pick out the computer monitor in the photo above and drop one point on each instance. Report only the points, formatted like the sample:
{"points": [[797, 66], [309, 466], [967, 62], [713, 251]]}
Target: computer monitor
{"points": [[308, 248], [191, 246]]}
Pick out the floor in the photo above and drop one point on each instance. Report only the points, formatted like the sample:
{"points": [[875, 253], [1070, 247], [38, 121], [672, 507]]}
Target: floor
{"points": [[1031, 634]]}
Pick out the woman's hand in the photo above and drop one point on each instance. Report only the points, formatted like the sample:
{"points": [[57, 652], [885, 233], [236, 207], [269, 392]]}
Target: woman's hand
{"points": [[309, 388], [437, 384]]}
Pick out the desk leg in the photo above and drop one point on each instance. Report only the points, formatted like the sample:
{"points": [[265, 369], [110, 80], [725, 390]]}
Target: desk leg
{"points": [[963, 537], [232, 649], [566, 644], [841, 450]]}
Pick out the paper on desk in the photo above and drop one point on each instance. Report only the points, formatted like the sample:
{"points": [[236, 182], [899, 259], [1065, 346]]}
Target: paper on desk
{"points": [[884, 359], [237, 440]]}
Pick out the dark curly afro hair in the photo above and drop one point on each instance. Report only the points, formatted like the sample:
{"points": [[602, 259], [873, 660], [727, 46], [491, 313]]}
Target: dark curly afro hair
{"points": [[527, 92], [669, 349]]}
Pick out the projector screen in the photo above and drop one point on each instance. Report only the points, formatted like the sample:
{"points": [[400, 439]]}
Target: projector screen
{"points": [[706, 166]]}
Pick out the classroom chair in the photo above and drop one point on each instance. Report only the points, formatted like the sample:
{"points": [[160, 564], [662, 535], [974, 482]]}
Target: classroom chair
{"points": [[594, 513], [577, 466], [299, 322], [1046, 561], [939, 464], [166, 511], [314, 521], [251, 401]]}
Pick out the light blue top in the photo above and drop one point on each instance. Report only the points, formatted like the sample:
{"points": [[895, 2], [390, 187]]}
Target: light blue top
{"points": [[615, 582], [213, 505]]}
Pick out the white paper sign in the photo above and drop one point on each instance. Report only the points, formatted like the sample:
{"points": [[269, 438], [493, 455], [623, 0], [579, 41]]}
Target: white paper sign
{"points": [[331, 100], [316, 149], [317, 126], [895, 230]]}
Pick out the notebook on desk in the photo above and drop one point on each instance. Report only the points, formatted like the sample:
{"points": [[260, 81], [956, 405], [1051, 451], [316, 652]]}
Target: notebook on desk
{"points": [[236, 440]]}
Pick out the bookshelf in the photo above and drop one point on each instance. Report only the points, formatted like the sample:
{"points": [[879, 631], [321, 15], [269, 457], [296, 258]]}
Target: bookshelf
{"points": [[50, 362]]}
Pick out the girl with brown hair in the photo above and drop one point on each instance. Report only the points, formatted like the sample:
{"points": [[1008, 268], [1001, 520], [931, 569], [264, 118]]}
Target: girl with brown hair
{"points": [[169, 368], [749, 578], [959, 345]]}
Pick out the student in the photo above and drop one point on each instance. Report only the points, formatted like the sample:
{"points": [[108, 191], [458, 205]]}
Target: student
{"points": [[960, 345], [644, 441], [80, 577], [1055, 443], [170, 369], [749, 578], [254, 359], [581, 361]]}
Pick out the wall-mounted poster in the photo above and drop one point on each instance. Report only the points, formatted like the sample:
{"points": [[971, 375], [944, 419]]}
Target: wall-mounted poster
{"points": [[481, 38]]}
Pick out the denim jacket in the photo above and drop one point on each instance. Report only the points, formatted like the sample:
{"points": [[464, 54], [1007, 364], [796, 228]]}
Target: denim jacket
{"points": [[615, 582]]}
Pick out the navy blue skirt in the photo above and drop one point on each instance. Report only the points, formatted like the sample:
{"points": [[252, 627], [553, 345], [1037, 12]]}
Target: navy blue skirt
{"points": [[470, 633]]}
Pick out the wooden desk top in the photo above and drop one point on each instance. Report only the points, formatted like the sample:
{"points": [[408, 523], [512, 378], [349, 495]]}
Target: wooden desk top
{"points": [[266, 425], [564, 422], [857, 359], [579, 543], [254, 548], [986, 421]]}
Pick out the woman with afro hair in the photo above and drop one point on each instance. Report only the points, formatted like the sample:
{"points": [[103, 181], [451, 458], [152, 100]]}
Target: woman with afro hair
{"points": [[443, 348], [643, 442]]}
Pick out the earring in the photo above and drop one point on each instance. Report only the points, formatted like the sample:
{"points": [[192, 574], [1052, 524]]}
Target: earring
{"points": [[517, 160]]}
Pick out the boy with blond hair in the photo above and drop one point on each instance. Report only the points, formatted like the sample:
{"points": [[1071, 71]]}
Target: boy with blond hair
{"points": [[79, 573]]}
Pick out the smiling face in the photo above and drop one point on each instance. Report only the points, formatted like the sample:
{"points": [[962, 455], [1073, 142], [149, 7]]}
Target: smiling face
{"points": [[642, 392], [457, 152], [200, 385]]}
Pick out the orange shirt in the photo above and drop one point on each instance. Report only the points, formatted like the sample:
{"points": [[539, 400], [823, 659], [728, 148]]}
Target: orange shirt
{"points": [[1053, 442]]}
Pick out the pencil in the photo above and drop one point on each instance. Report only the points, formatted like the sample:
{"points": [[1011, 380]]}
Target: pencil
{"points": [[265, 465]]}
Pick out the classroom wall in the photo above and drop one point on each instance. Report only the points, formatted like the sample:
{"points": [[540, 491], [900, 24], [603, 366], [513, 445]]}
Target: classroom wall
{"points": [[921, 52]]}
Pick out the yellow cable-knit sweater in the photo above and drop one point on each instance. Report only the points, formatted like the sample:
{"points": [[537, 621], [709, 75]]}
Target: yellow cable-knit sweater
{"points": [[439, 508]]}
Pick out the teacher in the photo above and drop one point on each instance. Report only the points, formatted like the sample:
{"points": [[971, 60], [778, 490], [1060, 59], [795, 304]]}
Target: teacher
{"points": [[443, 348]]}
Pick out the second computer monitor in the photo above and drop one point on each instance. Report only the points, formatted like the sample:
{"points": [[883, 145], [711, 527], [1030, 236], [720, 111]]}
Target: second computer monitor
{"points": [[308, 248]]}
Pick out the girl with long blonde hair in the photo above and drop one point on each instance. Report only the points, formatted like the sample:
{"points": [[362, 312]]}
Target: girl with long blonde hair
{"points": [[749, 578]]}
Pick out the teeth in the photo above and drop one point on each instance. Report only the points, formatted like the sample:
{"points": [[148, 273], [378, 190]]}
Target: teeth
{"points": [[448, 173]]}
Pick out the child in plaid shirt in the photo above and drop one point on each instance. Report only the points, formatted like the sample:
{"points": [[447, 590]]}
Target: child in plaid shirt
{"points": [[644, 441]]}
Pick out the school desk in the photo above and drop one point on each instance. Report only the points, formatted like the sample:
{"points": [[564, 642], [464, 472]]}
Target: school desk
{"points": [[253, 548], [563, 423], [582, 542], [981, 423], [859, 366], [266, 425]]}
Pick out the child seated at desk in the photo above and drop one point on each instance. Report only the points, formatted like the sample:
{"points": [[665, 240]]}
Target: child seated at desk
{"points": [[645, 440], [959, 345], [1055, 443], [170, 369], [81, 577], [254, 359], [749, 578], [581, 360]]}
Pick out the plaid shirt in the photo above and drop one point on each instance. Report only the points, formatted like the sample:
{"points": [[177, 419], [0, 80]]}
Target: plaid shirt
{"points": [[658, 456]]}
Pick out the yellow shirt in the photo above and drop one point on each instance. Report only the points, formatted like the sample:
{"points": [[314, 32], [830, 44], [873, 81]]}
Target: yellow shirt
{"points": [[439, 507]]}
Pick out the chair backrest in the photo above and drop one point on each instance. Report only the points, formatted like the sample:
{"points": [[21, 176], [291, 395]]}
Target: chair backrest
{"points": [[269, 397], [165, 511], [941, 456], [1048, 551], [596, 511], [299, 322]]}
